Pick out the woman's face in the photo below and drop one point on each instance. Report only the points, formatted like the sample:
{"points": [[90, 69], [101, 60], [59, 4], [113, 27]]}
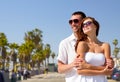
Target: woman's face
{"points": [[88, 27]]}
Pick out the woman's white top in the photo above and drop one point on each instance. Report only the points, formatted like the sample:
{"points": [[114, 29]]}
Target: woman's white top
{"points": [[96, 59]]}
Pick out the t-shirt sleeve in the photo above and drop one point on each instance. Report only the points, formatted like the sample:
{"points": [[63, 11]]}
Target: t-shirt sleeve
{"points": [[62, 53]]}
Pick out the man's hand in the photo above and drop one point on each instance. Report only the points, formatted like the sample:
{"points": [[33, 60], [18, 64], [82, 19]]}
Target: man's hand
{"points": [[76, 62], [84, 65], [80, 63]]}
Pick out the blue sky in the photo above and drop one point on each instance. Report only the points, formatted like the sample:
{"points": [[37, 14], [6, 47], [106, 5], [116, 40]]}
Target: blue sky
{"points": [[51, 16]]}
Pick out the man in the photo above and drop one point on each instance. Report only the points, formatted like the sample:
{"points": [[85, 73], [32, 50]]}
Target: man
{"points": [[67, 57], [1, 77]]}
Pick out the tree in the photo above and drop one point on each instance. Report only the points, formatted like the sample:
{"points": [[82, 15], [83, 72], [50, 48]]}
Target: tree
{"points": [[116, 51], [3, 47], [47, 51], [35, 36], [115, 42], [53, 56], [25, 51], [13, 53]]}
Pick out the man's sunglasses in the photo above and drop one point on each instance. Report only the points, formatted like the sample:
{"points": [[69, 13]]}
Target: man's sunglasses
{"points": [[86, 24], [74, 20]]}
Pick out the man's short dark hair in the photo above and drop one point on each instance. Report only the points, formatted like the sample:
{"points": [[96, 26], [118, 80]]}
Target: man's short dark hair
{"points": [[79, 13]]}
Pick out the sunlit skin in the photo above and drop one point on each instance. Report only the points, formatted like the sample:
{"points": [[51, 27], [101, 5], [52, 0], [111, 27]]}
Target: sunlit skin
{"points": [[75, 26], [62, 68], [77, 61], [95, 46]]}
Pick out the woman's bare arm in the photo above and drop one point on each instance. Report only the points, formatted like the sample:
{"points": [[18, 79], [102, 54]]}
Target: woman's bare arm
{"points": [[90, 72], [81, 50], [88, 69]]}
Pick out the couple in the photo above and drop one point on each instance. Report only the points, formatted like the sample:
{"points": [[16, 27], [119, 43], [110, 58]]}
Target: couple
{"points": [[82, 57]]}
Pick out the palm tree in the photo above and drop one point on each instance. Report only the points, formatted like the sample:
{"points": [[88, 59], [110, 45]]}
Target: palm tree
{"points": [[53, 56], [116, 50], [47, 51], [35, 36], [3, 47], [25, 51], [115, 42], [13, 53], [8, 60]]}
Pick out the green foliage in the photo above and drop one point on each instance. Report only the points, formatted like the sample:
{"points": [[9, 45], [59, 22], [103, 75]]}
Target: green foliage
{"points": [[32, 50], [3, 40], [116, 49]]}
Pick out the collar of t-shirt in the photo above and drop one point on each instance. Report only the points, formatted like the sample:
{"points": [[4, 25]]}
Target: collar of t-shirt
{"points": [[73, 39]]}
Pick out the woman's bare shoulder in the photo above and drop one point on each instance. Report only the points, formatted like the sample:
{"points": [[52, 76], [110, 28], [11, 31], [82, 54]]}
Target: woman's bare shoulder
{"points": [[105, 44], [82, 44]]}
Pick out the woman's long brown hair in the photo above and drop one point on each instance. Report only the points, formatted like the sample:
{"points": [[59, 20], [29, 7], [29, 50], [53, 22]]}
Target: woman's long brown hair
{"points": [[80, 35]]}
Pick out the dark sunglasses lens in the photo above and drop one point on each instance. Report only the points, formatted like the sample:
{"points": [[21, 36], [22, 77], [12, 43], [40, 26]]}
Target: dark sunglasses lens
{"points": [[87, 24], [76, 21], [70, 21]]}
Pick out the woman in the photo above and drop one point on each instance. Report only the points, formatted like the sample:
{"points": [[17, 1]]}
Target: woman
{"points": [[93, 51]]}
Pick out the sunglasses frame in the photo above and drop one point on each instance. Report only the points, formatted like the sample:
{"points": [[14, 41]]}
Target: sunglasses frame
{"points": [[74, 20], [86, 24]]}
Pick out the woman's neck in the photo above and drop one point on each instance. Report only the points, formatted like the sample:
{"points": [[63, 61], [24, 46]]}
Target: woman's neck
{"points": [[93, 40]]}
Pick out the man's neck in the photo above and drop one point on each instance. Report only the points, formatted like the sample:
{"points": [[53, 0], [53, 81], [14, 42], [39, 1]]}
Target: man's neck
{"points": [[75, 34]]}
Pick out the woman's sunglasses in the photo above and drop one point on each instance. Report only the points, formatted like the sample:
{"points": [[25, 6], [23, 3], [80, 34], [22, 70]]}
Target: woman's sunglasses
{"points": [[87, 24], [74, 20]]}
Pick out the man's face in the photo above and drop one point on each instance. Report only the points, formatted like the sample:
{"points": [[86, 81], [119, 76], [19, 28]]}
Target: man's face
{"points": [[74, 22]]}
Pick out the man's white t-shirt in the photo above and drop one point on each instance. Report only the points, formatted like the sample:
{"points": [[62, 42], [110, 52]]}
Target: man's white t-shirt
{"points": [[67, 54]]}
